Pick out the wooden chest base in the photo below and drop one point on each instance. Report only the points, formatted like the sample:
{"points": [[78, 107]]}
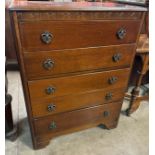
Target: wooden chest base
{"points": [[51, 126]]}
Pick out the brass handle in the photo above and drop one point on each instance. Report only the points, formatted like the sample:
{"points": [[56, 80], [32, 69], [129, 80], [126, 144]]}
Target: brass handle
{"points": [[51, 107], [108, 96], [116, 57], [112, 80], [106, 113], [52, 125], [121, 33], [48, 64], [50, 90], [46, 37]]}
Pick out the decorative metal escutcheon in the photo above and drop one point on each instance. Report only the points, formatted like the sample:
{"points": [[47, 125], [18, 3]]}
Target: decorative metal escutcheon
{"points": [[121, 33], [112, 80], [48, 64], [51, 107], [50, 90], [52, 125], [108, 96], [116, 57], [106, 113], [46, 37]]}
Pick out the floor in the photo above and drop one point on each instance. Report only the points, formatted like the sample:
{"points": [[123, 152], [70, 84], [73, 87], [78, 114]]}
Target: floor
{"points": [[129, 138]]}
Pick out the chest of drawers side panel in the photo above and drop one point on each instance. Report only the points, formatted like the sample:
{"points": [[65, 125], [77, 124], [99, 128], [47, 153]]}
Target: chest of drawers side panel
{"points": [[14, 21]]}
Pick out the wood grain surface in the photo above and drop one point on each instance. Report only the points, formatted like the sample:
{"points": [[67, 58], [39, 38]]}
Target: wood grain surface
{"points": [[76, 34], [76, 101], [76, 60]]}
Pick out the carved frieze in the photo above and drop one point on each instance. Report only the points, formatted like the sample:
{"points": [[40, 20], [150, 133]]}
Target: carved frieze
{"points": [[77, 15]]}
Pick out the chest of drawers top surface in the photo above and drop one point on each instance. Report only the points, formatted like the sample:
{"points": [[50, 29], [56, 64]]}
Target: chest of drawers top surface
{"points": [[75, 61], [25, 5]]}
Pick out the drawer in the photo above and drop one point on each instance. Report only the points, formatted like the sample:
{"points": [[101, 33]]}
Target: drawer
{"points": [[50, 106], [79, 119], [43, 64], [78, 83], [50, 35]]}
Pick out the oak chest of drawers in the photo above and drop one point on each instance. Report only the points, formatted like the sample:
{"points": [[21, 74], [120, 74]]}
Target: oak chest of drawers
{"points": [[75, 61]]}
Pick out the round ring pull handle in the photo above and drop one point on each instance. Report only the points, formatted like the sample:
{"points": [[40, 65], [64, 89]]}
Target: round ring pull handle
{"points": [[52, 125], [50, 90], [116, 57], [106, 113], [48, 64], [51, 107], [112, 80], [46, 37], [121, 33], [108, 96]]}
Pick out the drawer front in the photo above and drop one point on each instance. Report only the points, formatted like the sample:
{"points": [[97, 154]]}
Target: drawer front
{"points": [[50, 106], [66, 61], [78, 83], [50, 35], [70, 121]]}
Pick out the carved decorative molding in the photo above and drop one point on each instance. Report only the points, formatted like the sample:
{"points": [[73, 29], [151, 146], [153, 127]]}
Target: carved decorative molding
{"points": [[78, 15]]}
